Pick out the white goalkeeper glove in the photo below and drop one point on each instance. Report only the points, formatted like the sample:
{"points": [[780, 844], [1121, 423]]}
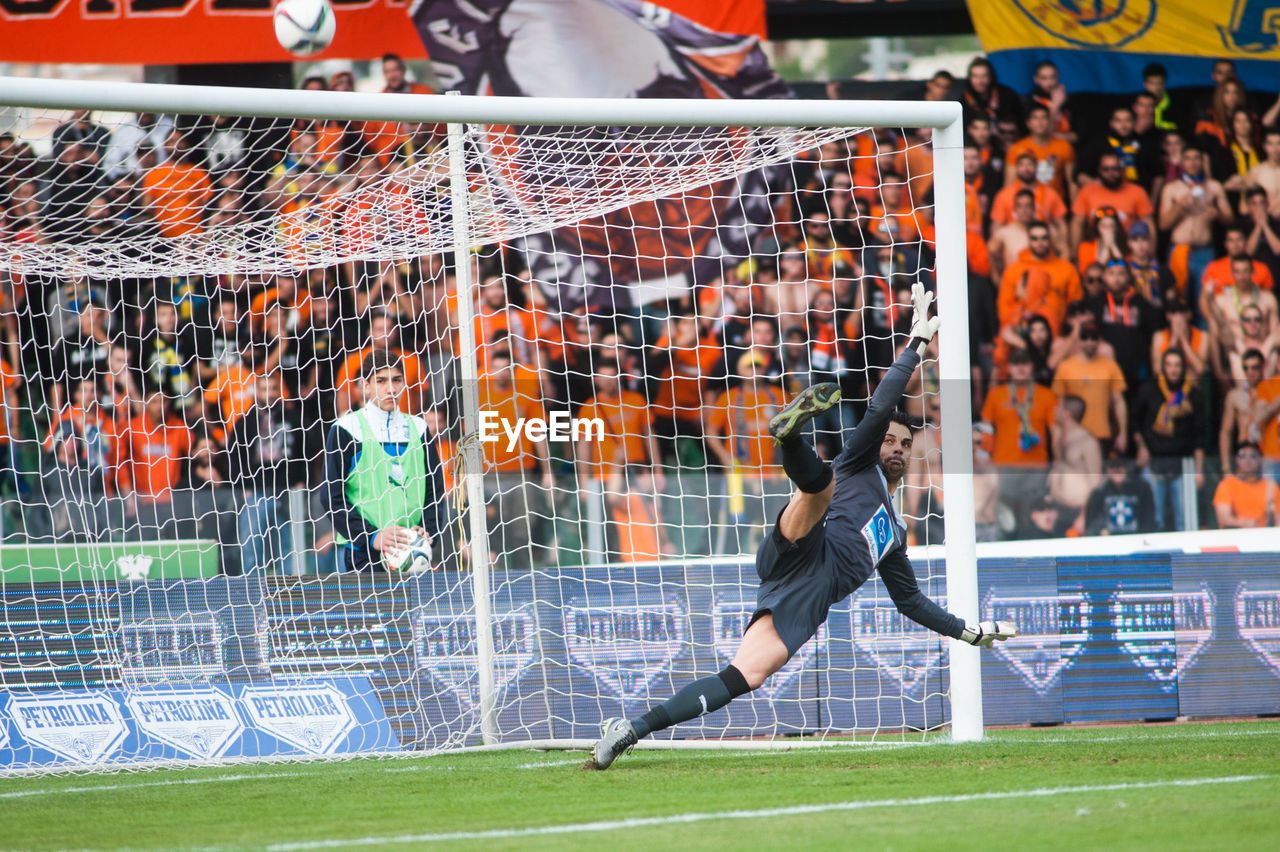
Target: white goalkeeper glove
{"points": [[922, 327], [985, 633]]}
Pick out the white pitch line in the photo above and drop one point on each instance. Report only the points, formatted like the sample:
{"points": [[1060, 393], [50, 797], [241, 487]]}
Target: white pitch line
{"points": [[18, 794], [767, 813]]}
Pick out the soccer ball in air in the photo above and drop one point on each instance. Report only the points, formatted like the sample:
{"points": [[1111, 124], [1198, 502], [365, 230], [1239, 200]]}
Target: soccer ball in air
{"points": [[304, 27]]}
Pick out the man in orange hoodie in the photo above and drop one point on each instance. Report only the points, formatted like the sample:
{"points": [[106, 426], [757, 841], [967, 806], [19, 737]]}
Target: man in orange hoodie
{"points": [[1038, 282]]}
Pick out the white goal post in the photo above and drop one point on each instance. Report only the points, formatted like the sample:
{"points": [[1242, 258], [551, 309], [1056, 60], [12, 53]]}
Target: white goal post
{"points": [[460, 112]]}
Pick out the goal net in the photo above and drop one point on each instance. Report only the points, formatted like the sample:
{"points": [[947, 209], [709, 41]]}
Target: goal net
{"points": [[593, 321]]}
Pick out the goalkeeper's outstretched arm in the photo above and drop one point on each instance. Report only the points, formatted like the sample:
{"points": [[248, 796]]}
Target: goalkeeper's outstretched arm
{"points": [[900, 579]]}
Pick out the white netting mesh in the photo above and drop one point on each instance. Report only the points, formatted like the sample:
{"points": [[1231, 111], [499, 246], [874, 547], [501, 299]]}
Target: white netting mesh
{"points": [[187, 305]]}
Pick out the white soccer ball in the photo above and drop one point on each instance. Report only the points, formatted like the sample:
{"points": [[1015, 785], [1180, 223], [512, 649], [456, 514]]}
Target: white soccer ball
{"points": [[304, 27], [415, 557]]}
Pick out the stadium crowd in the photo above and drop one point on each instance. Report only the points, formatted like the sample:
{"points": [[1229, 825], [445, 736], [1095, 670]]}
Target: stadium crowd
{"points": [[1124, 332]]}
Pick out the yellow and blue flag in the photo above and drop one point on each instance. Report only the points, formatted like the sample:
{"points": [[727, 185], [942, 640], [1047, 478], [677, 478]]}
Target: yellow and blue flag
{"points": [[1102, 45]]}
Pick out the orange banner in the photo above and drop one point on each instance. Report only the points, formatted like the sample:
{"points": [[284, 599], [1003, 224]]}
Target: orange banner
{"points": [[165, 32]]}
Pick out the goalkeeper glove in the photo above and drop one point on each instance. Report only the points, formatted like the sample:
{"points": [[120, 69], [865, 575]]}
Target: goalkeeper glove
{"points": [[922, 327], [985, 633]]}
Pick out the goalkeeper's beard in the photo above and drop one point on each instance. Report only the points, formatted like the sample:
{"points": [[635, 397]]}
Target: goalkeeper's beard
{"points": [[894, 469]]}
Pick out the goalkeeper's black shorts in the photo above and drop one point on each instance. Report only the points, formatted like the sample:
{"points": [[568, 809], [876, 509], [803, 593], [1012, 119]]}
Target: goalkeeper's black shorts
{"points": [[797, 584]]}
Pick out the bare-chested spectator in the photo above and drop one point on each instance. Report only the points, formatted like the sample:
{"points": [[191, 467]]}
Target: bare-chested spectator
{"points": [[1189, 208], [1255, 335], [1224, 309], [986, 486], [1267, 173], [1244, 417], [1077, 458], [1008, 241]]}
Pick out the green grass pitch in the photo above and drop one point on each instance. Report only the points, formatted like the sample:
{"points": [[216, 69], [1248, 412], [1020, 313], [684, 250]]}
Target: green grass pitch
{"points": [[1190, 786]]}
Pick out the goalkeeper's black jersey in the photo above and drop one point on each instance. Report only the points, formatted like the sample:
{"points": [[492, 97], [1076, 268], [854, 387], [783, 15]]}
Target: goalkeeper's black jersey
{"points": [[864, 531]]}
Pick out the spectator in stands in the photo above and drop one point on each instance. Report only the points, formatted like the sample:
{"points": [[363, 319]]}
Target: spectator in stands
{"points": [[1112, 190], [1213, 132], [1246, 407], [266, 453], [151, 449], [308, 362], [1039, 282], [1267, 173], [80, 129], [120, 394], [1048, 203], [1243, 152], [1077, 462], [1021, 413], [1169, 169], [1035, 338], [940, 86], [1169, 425], [384, 333], [1263, 242], [1137, 166], [628, 429], [990, 150], [217, 344], [1150, 278], [1144, 127], [633, 511], [1224, 309], [1009, 241], [985, 97], [1246, 499], [986, 485], [76, 477], [178, 190], [738, 436], [1189, 208], [145, 131], [82, 354], [1048, 92], [1254, 335], [68, 183], [383, 479], [1104, 239], [1046, 520], [1121, 505], [685, 366], [232, 391], [1054, 157], [1181, 334], [1218, 276], [167, 358], [1154, 78], [514, 468], [1126, 321], [1099, 381]]}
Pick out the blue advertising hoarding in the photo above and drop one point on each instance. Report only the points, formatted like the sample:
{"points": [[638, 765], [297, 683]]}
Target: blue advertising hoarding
{"points": [[1151, 636]]}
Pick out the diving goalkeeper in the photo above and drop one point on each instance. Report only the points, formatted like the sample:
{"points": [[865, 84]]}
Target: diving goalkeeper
{"points": [[839, 526]]}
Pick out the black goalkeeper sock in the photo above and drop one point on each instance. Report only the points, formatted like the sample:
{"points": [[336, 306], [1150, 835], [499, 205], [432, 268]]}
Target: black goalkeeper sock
{"points": [[705, 695], [810, 474]]}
